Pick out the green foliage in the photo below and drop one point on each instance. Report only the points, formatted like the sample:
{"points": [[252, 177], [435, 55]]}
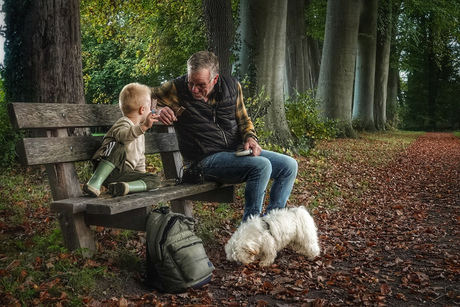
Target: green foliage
{"points": [[302, 117], [316, 18], [13, 86], [84, 170], [257, 104], [8, 137], [430, 58], [257, 107], [304, 122], [13, 69], [128, 41]]}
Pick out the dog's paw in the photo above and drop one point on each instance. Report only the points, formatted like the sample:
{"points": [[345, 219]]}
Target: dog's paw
{"points": [[313, 252], [267, 262]]}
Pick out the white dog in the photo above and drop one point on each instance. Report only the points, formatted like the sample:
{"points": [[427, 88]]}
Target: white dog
{"points": [[260, 238]]}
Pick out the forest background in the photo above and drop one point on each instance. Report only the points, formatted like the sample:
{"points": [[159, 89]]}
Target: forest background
{"points": [[311, 69]]}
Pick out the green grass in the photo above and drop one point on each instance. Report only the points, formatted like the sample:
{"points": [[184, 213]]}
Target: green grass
{"points": [[336, 173], [211, 218]]}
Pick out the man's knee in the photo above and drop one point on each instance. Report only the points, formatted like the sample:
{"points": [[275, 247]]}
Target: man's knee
{"points": [[263, 165], [292, 165]]}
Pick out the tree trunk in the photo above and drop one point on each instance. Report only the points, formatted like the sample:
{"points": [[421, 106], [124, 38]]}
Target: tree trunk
{"points": [[392, 96], [302, 54], [433, 78], [363, 104], [220, 31], [335, 85], [268, 50], [52, 42], [245, 68], [382, 64]]}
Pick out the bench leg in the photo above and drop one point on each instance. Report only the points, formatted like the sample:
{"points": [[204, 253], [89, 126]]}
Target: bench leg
{"points": [[76, 233], [182, 206]]}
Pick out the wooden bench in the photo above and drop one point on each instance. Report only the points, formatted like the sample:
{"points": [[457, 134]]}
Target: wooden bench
{"points": [[48, 143]]}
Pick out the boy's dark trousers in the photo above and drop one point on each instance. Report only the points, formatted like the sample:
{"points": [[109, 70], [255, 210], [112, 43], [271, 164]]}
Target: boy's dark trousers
{"points": [[116, 154]]}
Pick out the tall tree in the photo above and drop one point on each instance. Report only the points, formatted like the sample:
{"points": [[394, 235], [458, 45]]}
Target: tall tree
{"points": [[49, 43], [245, 66], [363, 103], [393, 85], [335, 85], [265, 39], [43, 54], [302, 54], [384, 35], [220, 31], [393, 92], [53, 68]]}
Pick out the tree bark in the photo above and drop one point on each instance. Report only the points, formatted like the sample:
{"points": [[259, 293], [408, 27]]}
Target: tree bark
{"points": [[52, 42], [335, 85], [245, 68], [220, 31], [382, 66], [363, 104], [302, 54], [392, 97], [433, 78], [266, 46]]}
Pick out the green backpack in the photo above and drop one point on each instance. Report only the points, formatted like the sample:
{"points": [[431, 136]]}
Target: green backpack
{"points": [[176, 259]]}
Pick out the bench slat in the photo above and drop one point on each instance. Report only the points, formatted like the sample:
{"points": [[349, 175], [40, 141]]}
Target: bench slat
{"points": [[115, 205], [137, 200], [36, 151], [52, 115]]}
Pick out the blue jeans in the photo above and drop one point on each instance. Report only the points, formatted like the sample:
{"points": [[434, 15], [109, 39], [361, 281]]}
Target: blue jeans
{"points": [[226, 167]]}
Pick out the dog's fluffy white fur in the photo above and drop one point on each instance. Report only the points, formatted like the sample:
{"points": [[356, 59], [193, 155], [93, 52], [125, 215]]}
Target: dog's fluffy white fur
{"points": [[260, 238]]}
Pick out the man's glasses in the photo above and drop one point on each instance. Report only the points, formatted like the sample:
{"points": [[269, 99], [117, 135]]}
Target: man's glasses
{"points": [[198, 86]]}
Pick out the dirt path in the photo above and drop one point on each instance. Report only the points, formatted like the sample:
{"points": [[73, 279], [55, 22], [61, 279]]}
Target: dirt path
{"points": [[402, 249]]}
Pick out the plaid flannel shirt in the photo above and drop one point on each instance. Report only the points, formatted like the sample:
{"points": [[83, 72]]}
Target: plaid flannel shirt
{"points": [[166, 96]]}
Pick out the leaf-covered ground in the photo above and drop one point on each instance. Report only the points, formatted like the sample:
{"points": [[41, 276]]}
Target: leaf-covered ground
{"points": [[388, 218]]}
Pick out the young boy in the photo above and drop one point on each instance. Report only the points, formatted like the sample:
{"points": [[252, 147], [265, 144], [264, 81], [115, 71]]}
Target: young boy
{"points": [[120, 161]]}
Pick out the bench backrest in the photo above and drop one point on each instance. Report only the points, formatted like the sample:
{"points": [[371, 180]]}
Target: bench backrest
{"points": [[42, 117]]}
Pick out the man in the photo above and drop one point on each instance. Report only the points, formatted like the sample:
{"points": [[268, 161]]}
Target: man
{"points": [[212, 125]]}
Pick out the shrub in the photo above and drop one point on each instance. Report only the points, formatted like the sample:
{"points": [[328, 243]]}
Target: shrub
{"points": [[305, 124], [302, 117]]}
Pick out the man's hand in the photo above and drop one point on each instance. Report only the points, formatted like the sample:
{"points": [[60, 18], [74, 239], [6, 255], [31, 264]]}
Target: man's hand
{"points": [[251, 143], [167, 116]]}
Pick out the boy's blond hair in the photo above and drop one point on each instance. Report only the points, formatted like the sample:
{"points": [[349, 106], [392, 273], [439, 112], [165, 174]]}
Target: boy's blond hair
{"points": [[132, 97]]}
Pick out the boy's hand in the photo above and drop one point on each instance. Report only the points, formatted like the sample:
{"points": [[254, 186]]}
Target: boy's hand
{"points": [[147, 124]]}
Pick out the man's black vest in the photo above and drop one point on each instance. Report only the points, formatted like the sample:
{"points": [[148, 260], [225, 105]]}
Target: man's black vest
{"points": [[203, 129]]}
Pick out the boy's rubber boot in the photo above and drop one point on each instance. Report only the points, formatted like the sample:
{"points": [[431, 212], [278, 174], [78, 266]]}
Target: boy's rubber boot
{"points": [[103, 170], [123, 188]]}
